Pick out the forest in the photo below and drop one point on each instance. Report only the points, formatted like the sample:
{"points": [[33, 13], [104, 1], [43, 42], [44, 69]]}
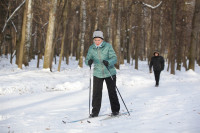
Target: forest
{"points": [[46, 29]]}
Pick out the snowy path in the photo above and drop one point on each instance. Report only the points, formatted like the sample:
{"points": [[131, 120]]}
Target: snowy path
{"points": [[36, 101]]}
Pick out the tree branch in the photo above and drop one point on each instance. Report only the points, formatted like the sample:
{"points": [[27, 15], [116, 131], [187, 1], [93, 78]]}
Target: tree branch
{"points": [[150, 6], [14, 26], [13, 14]]}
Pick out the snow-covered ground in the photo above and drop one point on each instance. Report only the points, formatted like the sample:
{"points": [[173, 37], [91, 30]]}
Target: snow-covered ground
{"points": [[34, 100]]}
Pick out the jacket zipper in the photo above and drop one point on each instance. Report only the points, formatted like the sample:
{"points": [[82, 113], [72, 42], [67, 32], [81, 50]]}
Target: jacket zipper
{"points": [[100, 61]]}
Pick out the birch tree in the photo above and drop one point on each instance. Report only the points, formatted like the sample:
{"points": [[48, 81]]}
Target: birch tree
{"points": [[83, 6], [26, 35]]}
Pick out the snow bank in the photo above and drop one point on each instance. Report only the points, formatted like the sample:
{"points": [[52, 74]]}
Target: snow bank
{"points": [[32, 79]]}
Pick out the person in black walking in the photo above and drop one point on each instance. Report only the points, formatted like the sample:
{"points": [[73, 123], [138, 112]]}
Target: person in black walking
{"points": [[158, 64], [103, 56]]}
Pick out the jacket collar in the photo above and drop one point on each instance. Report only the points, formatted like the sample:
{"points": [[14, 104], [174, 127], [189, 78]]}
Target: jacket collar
{"points": [[101, 45]]}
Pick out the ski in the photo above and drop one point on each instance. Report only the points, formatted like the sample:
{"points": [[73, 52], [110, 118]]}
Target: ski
{"points": [[117, 116], [109, 116], [84, 119]]}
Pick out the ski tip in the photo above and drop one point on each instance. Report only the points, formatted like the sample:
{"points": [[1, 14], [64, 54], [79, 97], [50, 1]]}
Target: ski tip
{"points": [[64, 122], [88, 121]]}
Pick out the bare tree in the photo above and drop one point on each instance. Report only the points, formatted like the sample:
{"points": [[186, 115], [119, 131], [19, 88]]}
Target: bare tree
{"points": [[26, 35], [63, 37], [109, 34], [50, 35], [181, 32], [118, 34], [194, 34], [138, 29], [83, 6], [173, 38]]}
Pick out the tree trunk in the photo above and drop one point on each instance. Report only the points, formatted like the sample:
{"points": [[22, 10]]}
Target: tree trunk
{"points": [[179, 54], [128, 39], [77, 31], [173, 37], [109, 34], [56, 38], [39, 51], [161, 32], [63, 37], [50, 35], [122, 44], [137, 40], [194, 35], [26, 35], [96, 26], [83, 30], [35, 42], [78, 47], [14, 38], [72, 42], [181, 35], [184, 58], [198, 49], [117, 37], [151, 37], [19, 29]]}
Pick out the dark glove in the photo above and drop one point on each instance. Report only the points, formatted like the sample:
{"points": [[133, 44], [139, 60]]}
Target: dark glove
{"points": [[90, 62], [106, 63]]}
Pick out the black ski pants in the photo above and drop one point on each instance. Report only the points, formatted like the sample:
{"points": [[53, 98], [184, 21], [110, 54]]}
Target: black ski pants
{"points": [[157, 76], [97, 94]]}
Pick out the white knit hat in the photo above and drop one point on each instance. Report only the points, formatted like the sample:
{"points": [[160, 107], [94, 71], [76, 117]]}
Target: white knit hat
{"points": [[98, 34]]}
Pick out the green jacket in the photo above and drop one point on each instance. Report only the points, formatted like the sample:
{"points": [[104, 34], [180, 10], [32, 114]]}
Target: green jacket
{"points": [[105, 52]]}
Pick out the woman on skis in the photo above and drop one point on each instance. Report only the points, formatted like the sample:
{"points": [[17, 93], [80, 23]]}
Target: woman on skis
{"points": [[102, 55]]}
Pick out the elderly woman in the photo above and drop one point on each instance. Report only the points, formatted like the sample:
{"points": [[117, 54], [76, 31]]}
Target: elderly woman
{"points": [[103, 56]]}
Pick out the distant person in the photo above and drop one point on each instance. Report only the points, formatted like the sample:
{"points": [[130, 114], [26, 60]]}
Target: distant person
{"points": [[103, 56], [158, 64]]}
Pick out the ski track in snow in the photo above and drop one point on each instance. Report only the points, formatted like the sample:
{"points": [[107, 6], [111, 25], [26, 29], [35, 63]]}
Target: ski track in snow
{"points": [[34, 100]]}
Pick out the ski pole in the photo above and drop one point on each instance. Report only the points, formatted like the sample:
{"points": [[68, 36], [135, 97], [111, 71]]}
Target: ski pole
{"points": [[90, 91], [118, 90]]}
